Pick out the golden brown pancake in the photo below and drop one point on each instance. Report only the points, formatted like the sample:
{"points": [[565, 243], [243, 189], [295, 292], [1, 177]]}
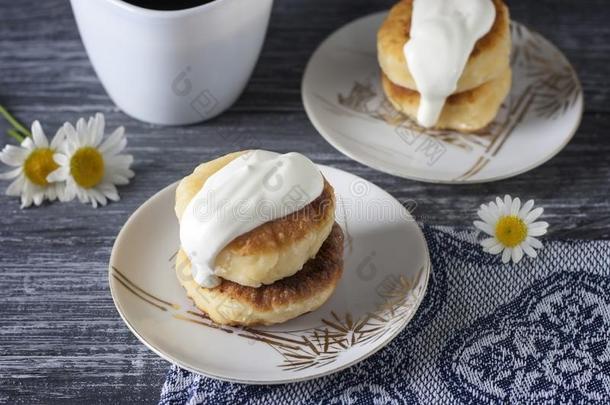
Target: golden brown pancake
{"points": [[274, 250], [467, 111], [235, 304], [489, 59]]}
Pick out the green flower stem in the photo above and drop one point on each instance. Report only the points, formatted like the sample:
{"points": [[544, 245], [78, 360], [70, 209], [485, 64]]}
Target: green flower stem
{"points": [[15, 134], [13, 121]]}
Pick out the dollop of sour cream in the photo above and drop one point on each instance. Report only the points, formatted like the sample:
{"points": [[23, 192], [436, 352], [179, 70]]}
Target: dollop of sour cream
{"points": [[443, 34], [257, 187]]}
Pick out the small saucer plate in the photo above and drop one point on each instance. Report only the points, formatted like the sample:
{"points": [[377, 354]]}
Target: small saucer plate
{"points": [[385, 276], [343, 98]]}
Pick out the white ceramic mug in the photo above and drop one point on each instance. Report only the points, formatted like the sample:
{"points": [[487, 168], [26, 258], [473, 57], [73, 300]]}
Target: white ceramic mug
{"points": [[173, 67]]}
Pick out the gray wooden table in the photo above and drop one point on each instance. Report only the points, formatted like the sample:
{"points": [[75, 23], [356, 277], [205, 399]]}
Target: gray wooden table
{"points": [[60, 336]]}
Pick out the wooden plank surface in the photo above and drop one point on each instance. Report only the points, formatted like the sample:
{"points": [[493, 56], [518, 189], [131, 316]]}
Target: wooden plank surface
{"points": [[60, 335]]}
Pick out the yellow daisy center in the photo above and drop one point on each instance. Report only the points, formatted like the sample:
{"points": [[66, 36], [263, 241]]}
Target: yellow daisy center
{"points": [[38, 165], [511, 230], [87, 167]]}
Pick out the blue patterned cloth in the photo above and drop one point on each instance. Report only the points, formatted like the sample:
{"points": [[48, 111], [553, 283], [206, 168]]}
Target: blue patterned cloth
{"points": [[537, 332]]}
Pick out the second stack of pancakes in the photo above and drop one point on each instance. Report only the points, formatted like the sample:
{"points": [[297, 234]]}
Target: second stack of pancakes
{"points": [[484, 83]]}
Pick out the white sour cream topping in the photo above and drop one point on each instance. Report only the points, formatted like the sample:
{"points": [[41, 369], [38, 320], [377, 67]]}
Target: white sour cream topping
{"points": [[443, 35], [257, 187]]}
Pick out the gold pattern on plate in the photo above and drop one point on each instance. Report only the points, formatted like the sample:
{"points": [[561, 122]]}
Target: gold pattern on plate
{"points": [[317, 346], [554, 88], [140, 292], [556, 85], [322, 345]]}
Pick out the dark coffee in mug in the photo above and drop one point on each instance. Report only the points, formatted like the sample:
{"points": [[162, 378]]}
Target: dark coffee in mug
{"points": [[167, 4]]}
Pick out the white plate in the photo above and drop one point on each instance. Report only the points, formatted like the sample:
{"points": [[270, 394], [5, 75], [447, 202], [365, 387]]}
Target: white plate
{"points": [[385, 277], [344, 101]]}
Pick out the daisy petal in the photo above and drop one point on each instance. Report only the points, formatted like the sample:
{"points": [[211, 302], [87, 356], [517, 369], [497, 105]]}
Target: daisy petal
{"points": [[113, 139], [500, 204], [119, 180], [96, 196], [494, 211], [38, 197], [486, 216], [485, 227], [533, 242], [69, 192], [61, 159], [508, 201], [63, 194], [515, 206], [71, 135], [491, 209], [83, 129], [68, 148], [27, 192], [28, 188], [489, 242], [494, 250], [539, 224], [51, 193], [506, 255], [115, 149], [40, 139], [26, 200], [28, 143], [517, 254], [14, 189], [536, 231], [97, 132], [58, 139], [13, 155], [121, 160], [10, 174], [110, 191], [82, 196], [528, 249], [526, 208], [533, 215], [60, 174]]}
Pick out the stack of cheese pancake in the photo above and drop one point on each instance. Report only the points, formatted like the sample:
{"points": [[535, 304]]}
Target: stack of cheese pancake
{"points": [[259, 242], [446, 63]]}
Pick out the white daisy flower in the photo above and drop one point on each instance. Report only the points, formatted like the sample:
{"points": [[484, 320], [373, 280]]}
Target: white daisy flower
{"points": [[511, 228], [92, 168], [33, 162]]}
